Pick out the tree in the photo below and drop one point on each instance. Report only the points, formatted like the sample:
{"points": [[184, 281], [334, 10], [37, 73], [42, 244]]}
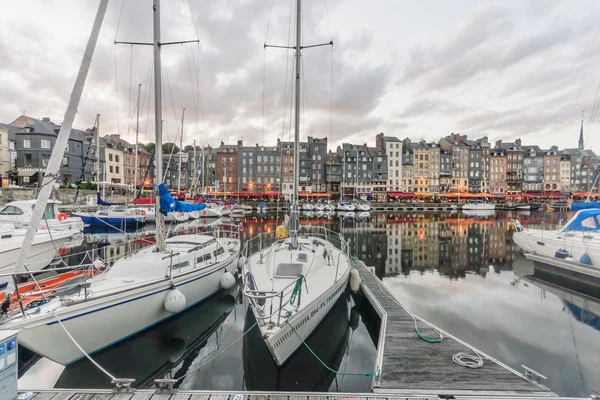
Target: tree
{"points": [[167, 147], [188, 148], [149, 147]]}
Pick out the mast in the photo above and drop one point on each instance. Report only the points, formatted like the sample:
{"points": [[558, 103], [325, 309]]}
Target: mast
{"points": [[295, 220], [53, 168], [137, 131], [195, 170], [97, 153], [160, 234], [180, 153]]}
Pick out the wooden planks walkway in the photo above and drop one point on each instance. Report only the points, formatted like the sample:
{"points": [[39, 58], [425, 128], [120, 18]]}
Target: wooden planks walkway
{"points": [[409, 364]]}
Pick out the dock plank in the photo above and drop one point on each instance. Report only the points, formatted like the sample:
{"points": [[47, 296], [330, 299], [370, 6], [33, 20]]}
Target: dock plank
{"points": [[410, 363]]}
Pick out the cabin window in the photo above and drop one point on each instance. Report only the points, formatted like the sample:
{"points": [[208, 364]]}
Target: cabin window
{"points": [[589, 222], [218, 251], [49, 212], [11, 210], [204, 257], [181, 265]]}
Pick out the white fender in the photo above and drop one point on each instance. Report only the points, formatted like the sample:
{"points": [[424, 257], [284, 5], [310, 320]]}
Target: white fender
{"points": [[354, 280], [227, 280], [175, 301]]}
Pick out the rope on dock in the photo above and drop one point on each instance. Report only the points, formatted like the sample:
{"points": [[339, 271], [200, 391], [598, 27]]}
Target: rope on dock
{"points": [[370, 373]]}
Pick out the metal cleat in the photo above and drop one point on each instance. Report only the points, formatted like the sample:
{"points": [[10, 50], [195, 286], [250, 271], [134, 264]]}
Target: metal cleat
{"points": [[533, 375], [165, 386], [123, 385]]}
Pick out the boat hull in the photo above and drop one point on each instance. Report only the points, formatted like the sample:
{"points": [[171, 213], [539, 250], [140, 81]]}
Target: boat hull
{"points": [[94, 220], [549, 242], [47, 337]]}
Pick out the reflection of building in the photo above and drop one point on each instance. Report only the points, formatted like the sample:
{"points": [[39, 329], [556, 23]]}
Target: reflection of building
{"points": [[394, 247]]}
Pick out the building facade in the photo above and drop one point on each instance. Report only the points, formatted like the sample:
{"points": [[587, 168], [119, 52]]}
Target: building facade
{"points": [[533, 168], [552, 169], [393, 151], [497, 182]]}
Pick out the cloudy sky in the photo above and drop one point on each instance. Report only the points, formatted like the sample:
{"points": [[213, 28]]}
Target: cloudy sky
{"points": [[504, 69]]}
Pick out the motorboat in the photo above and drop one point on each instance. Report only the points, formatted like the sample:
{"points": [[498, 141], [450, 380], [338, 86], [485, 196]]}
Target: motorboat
{"points": [[319, 207], [292, 278], [523, 207], [43, 249], [345, 207], [308, 207], [18, 213], [262, 208], [139, 290], [478, 206], [328, 207], [578, 239], [362, 206]]}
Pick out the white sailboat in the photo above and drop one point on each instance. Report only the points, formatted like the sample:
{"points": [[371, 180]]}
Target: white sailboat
{"points": [[293, 281], [137, 291]]}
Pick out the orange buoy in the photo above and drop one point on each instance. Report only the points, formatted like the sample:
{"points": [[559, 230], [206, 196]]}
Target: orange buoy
{"points": [[62, 216]]}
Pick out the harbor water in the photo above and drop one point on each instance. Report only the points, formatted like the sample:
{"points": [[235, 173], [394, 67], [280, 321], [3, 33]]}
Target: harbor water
{"points": [[459, 271]]}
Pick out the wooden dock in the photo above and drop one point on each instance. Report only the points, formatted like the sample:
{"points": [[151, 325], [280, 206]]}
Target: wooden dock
{"points": [[409, 365]]}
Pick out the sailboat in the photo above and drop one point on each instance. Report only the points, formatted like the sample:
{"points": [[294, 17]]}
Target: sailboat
{"points": [[293, 279], [113, 214], [137, 291]]}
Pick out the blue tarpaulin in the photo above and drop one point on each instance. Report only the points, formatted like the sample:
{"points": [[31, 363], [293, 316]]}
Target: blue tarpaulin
{"points": [[585, 205], [106, 203], [169, 204]]}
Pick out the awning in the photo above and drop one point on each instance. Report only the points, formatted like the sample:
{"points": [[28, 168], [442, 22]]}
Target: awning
{"points": [[399, 194], [28, 172], [314, 194]]}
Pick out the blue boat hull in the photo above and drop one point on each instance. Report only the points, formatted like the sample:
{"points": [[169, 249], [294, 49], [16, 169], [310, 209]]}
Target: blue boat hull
{"points": [[104, 221]]}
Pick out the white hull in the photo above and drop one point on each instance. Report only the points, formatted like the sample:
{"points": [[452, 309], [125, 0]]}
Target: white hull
{"points": [[283, 344], [479, 207], [523, 207], [101, 321], [177, 217], [363, 207], [325, 270], [346, 214], [345, 207], [547, 243], [41, 253]]}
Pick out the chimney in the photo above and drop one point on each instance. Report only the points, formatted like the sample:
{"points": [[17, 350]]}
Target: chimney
{"points": [[498, 144], [518, 142], [240, 144], [46, 119]]}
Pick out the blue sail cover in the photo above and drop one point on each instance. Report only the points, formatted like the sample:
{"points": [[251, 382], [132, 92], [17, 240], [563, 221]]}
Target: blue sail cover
{"points": [[585, 205], [106, 203], [585, 220], [169, 204]]}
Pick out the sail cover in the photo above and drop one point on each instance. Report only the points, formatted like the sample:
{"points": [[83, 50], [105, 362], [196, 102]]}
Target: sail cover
{"points": [[169, 204], [585, 205], [106, 203]]}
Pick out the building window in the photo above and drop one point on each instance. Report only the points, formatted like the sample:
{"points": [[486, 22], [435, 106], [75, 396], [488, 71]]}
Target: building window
{"points": [[45, 144], [117, 160], [26, 143], [65, 162], [111, 168], [28, 160], [110, 158], [117, 169]]}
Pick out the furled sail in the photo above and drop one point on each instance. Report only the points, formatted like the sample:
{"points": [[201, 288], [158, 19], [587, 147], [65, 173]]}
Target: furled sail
{"points": [[169, 204], [106, 203]]}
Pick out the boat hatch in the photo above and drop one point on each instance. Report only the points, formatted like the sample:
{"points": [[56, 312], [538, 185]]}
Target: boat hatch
{"points": [[541, 243], [7, 236], [302, 257], [102, 213], [288, 270]]}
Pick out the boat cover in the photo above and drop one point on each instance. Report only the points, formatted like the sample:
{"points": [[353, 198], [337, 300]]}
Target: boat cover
{"points": [[106, 203], [585, 220], [169, 204], [585, 205]]}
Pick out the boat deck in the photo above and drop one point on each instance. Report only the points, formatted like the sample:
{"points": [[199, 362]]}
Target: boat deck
{"points": [[408, 364]]}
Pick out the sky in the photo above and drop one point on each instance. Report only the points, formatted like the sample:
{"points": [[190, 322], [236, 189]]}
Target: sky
{"points": [[503, 69]]}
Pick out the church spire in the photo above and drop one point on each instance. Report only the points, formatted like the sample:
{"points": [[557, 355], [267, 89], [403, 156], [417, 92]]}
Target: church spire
{"points": [[581, 136]]}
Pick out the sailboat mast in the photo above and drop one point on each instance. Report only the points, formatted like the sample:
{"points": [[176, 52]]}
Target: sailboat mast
{"points": [[194, 181], [160, 234], [295, 209], [137, 131], [97, 153], [180, 153]]}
